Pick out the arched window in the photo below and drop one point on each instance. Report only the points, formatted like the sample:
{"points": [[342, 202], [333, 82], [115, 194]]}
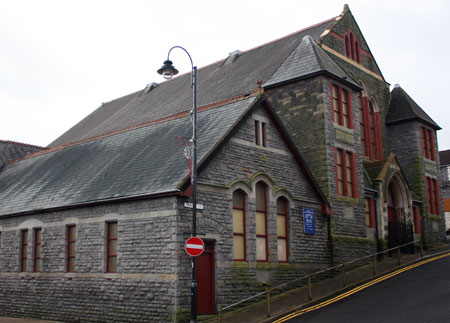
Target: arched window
{"points": [[348, 50], [362, 97], [261, 221], [352, 47], [372, 130], [357, 51], [239, 226], [370, 127], [282, 229]]}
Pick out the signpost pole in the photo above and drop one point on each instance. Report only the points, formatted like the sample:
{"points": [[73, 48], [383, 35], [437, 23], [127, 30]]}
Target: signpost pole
{"points": [[168, 71]]}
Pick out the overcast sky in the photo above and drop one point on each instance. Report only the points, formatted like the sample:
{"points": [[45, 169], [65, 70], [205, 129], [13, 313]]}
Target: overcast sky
{"points": [[59, 60]]}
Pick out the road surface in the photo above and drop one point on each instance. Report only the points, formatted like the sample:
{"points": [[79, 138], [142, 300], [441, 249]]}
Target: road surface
{"points": [[420, 294]]}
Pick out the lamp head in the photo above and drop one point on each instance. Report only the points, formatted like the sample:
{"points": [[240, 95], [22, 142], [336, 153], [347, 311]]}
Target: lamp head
{"points": [[167, 70]]}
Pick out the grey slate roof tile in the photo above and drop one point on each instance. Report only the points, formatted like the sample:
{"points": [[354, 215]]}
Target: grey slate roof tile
{"points": [[403, 108], [306, 59], [141, 161], [216, 82], [10, 150]]}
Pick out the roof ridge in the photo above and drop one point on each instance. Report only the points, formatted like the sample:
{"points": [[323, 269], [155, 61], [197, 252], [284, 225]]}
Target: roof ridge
{"points": [[259, 46], [336, 20], [291, 34], [21, 144], [143, 124]]}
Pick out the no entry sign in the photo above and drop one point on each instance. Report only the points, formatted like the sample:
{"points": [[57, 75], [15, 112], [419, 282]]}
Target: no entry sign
{"points": [[194, 246]]}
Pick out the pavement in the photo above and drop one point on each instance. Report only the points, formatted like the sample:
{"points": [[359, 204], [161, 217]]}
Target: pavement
{"points": [[295, 299]]}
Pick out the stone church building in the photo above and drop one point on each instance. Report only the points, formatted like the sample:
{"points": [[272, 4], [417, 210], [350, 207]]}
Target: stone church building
{"points": [[306, 159]]}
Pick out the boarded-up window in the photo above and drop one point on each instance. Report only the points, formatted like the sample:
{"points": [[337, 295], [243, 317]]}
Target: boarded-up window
{"points": [[261, 222], [71, 241], [239, 226], [282, 230], [111, 265], [37, 250], [24, 251]]}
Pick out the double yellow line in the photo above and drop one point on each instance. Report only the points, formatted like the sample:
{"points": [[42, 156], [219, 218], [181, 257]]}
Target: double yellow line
{"points": [[357, 289]]}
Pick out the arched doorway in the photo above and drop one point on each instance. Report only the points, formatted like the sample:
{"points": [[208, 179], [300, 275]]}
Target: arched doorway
{"points": [[398, 210]]}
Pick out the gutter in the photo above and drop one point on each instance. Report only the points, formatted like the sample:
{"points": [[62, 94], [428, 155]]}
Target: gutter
{"points": [[93, 203]]}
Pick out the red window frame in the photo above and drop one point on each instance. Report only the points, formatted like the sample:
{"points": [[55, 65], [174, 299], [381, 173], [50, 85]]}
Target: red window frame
{"points": [[433, 196], [244, 227], [371, 204], [370, 127], [352, 47], [362, 125], [341, 106], [284, 213], [23, 250], [428, 143], [37, 250], [71, 240], [346, 166], [109, 241], [265, 236]]}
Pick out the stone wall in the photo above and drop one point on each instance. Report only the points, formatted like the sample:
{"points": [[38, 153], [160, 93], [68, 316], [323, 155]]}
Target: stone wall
{"points": [[143, 289], [305, 109], [240, 164]]}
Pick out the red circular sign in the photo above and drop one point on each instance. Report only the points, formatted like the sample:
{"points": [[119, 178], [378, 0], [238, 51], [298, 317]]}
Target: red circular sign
{"points": [[194, 246]]}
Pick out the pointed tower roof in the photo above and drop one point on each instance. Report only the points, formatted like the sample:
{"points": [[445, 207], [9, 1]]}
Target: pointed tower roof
{"points": [[306, 60], [402, 108]]}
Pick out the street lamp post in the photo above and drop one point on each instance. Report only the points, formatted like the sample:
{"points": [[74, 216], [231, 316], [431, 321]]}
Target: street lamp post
{"points": [[168, 71]]}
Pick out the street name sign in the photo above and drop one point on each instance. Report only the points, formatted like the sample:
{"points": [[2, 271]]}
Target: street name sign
{"points": [[191, 205]]}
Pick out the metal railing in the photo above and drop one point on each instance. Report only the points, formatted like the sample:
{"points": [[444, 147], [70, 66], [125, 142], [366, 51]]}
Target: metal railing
{"points": [[394, 252]]}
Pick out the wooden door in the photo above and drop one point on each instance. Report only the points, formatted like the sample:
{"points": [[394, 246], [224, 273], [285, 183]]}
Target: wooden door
{"points": [[205, 280]]}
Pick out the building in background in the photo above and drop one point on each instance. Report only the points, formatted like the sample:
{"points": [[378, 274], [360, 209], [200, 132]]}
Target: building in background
{"points": [[306, 159], [444, 157]]}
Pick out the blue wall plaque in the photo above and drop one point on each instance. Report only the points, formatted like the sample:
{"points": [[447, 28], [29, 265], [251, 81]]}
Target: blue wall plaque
{"points": [[309, 223]]}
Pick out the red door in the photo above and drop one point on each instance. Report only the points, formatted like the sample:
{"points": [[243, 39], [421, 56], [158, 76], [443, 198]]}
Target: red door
{"points": [[205, 280]]}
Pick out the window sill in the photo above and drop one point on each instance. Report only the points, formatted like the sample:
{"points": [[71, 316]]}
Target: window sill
{"points": [[343, 128], [430, 161], [435, 216], [348, 199], [110, 275]]}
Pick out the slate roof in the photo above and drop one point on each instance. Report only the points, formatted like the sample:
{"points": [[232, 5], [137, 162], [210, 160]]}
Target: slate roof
{"points": [[141, 161], [10, 150], [216, 82], [402, 108], [373, 170], [444, 157], [306, 59]]}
